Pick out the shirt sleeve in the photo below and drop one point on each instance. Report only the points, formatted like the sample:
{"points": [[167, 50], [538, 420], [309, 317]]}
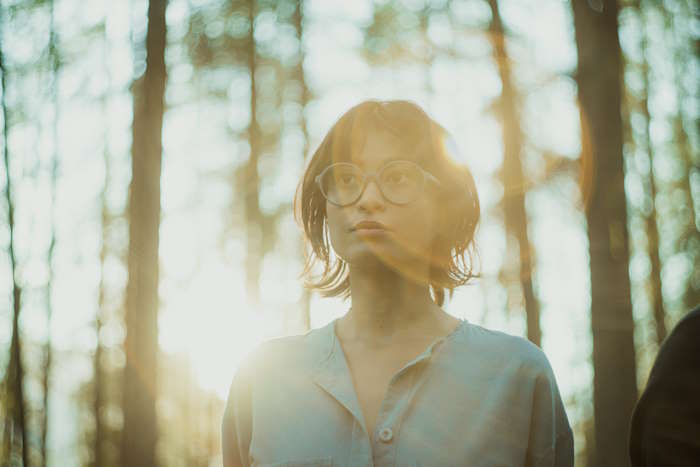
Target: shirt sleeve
{"points": [[551, 439], [236, 423]]}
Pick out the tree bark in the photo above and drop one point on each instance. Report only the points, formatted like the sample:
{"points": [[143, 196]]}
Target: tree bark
{"points": [[298, 20], [15, 422], [48, 356], [98, 375], [652, 228], [515, 216], [252, 177], [599, 78], [689, 163], [139, 434], [99, 400]]}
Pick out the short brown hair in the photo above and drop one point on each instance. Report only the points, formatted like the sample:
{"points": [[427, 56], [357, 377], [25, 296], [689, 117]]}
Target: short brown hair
{"points": [[426, 142]]}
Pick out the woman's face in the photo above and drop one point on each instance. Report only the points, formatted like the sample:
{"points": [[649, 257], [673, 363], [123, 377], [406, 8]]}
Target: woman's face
{"points": [[400, 236]]}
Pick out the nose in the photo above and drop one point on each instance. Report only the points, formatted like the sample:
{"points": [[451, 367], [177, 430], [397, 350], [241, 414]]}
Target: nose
{"points": [[371, 198]]}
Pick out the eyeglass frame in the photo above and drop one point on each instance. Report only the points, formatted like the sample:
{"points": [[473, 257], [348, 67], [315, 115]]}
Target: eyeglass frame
{"points": [[373, 176]]}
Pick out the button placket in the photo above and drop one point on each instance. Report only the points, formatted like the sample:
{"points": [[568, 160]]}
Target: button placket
{"points": [[402, 389], [384, 439]]}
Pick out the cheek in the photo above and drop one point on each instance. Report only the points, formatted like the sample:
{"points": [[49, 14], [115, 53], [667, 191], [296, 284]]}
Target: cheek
{"points": [[415, 231], [420, 225], [336, 229]]}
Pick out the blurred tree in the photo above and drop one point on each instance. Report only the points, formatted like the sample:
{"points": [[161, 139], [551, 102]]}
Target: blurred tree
{"points": [[15, 422], [189, 416], [100, 434], [304, 97], [429, 50], [251, 175], [511, 173], [394, 35], [241, 46], [48, 351], [599, 88], [98, 438], [139, 434], [685, 47], [651, 222]]}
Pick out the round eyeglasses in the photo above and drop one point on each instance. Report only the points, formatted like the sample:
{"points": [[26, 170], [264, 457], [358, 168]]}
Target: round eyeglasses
{"points": [[400, 182]]}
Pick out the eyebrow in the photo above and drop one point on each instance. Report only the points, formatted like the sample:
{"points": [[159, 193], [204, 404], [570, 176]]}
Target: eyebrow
{"points": [[389, 159], [385, 162], [397, 158]]}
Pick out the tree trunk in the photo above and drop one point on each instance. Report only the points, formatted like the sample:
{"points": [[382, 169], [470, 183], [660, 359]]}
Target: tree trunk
{"points": [[515, 216], [298, 20], [429, 50], [139, 434], [689, 238], [99, 399], [15, 422], [46, 371], [251, 182], [599, 78], [98, 375], [652, 228]]}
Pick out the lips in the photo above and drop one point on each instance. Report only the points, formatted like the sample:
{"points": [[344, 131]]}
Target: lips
{"points": [[368, 226]]}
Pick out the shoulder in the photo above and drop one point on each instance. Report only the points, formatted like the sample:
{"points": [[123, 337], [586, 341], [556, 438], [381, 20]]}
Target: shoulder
{"points": [[506, 349], [694, 314], [679, 355], [687, 327], [669, 399], [278, 355], [518, 374]]}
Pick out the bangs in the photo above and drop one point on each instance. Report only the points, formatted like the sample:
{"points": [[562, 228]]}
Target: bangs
{"points": [[408, 125]]}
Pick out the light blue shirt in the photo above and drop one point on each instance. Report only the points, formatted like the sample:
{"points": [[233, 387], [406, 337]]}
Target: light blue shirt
{"points": [[475, 397]]}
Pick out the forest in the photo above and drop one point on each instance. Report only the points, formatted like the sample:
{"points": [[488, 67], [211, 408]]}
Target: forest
{"points": [[152, 150]]}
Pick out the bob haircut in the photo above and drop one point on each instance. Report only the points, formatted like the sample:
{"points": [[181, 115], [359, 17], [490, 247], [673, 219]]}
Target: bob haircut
{"points": [[423, 141]]}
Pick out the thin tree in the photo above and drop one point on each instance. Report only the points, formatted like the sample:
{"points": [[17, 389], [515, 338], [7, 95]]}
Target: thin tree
{"points": [[429, 48], [251, 181], [652, 228], [687, 158], [599, 77], [230, 50], [514, 186], [14, 388], [139, 434], [304, 96], [98, 387], [98, 400], [48, 350]]}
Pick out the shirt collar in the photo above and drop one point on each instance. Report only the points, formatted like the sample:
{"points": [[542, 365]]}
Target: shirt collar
{"points": [[333, 375]]}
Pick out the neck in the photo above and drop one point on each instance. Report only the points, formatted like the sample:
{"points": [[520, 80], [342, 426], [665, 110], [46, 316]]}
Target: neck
{"points": [[387, 306]]}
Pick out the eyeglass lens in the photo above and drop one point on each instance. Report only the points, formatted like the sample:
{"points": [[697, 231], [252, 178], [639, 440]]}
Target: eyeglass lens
{"points": [[400, 182]]}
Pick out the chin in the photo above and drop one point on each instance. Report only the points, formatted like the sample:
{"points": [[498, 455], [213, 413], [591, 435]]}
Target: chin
{"points": [[377, 257], [360, 254]]}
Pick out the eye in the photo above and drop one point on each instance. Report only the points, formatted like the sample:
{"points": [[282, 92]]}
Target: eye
{"points": [[346, 179], [397, 178]]}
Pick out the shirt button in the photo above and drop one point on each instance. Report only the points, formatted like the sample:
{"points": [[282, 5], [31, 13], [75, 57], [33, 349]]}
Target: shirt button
{"points": [[385, 434]]}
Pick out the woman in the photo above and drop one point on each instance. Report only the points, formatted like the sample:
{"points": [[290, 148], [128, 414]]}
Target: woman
{"points": [[396, 381]]}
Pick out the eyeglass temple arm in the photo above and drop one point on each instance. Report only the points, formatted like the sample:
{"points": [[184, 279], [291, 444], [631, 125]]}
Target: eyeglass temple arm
{"points": [[432, 177]]}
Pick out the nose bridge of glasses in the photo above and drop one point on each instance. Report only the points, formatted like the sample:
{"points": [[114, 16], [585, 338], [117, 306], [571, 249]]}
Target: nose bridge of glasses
{"points": [[368, 178]]}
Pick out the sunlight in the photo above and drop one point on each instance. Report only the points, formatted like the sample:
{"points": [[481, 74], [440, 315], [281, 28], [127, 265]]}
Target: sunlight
{"points": [[211, 322]]}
